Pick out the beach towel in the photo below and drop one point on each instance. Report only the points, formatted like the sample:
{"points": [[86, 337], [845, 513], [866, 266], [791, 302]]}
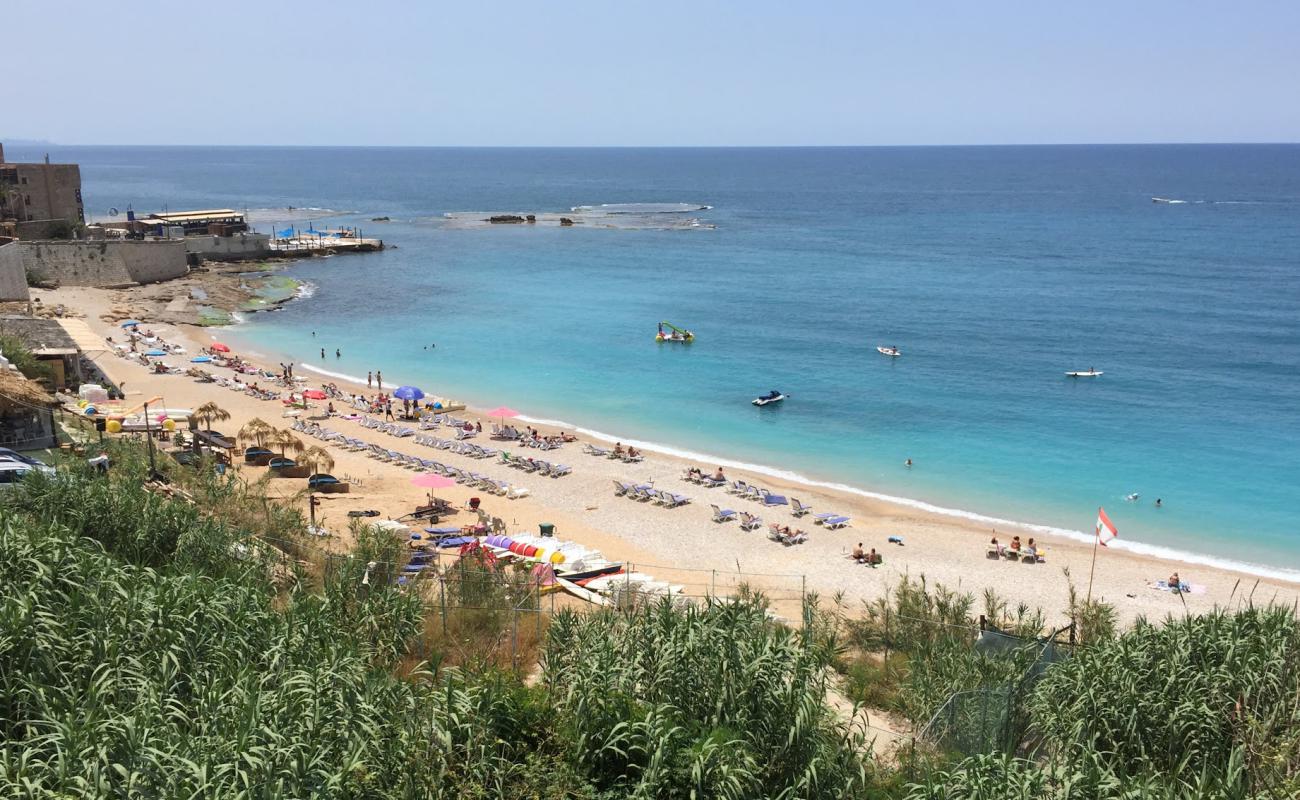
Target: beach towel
{"points": [[455, 541], [442, 531], [1184, 587]]}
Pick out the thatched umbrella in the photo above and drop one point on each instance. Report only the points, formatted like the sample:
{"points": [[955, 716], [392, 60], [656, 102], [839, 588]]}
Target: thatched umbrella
{"points": [[210, 411], [287, 442], [318, 458], [256, 431]]}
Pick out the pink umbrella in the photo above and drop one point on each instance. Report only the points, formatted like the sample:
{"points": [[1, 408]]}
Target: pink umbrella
{"points": [[430, 480], [503, 412], [314, 394], [220, 348]]}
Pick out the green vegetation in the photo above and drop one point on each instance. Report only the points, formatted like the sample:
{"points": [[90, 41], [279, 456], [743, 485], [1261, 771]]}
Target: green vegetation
{"points": [[190, 643], [269, 291], [16, 349], [1200, 707]]}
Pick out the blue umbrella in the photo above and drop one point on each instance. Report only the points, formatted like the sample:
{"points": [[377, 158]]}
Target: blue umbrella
{"points": [[201, 359], [130, 323], [408, 393], [156, 352]]}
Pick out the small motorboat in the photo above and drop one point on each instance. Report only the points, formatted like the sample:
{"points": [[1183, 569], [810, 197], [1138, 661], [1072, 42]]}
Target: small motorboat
{"points": [[892, 352], [1089, 373], [673, 334], [768, 399]]}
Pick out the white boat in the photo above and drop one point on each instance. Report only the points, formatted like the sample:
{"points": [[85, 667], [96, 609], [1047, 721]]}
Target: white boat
{"points": [[892, 352], [768, 399], [1091, 373]]}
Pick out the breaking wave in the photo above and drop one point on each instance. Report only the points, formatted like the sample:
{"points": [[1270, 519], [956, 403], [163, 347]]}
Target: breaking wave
{"points": [[640, 208]]}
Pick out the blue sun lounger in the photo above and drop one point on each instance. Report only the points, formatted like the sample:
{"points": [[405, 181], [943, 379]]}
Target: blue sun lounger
{"points": [[445, 531], [456, 541], [836, 522]]}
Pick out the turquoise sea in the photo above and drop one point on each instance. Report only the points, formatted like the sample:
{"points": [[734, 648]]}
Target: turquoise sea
{"points": [[994, 269]]}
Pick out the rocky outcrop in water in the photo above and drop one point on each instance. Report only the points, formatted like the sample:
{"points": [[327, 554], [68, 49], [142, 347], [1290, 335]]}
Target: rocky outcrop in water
{"points": [[565, 221], [505, 219]]}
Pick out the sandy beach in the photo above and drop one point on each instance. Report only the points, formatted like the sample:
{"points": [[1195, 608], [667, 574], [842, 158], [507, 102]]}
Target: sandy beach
{"points": [[683, 545]]}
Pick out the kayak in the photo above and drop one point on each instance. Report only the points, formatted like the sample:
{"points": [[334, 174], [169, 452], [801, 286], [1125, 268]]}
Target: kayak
{"points": [[1085, 374], [892, 352]]}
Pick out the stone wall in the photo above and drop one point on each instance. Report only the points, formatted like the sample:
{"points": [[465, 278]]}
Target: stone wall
{"points": [[239, 247], [104, 264], [13, 278]]}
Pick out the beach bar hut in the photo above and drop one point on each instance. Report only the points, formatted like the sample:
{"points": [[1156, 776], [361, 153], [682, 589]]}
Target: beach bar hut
{"points": [[26, 415]]}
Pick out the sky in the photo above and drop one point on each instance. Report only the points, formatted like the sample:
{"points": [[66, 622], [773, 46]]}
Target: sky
{"points": [[665, 73]]}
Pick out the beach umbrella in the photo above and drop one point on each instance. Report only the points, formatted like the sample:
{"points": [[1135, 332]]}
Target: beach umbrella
{"points": [[156, 352], [314, 394], [503, 412], [408, 393], [220, 348], [200, 359], [130, 323], [431, 480]]}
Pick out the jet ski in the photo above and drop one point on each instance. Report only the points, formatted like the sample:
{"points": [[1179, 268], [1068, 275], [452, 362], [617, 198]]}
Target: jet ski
{"points": [[768, 399], [892, 352]]}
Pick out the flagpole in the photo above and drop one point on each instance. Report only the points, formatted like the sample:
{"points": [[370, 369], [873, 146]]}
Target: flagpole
{"points": [[1096, 539]]}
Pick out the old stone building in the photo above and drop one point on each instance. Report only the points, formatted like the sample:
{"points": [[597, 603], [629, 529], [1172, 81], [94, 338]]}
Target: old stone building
{"points": [[37, 200]]}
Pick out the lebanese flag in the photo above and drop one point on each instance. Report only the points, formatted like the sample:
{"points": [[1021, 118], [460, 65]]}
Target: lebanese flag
{"points": [[1105, 528]]}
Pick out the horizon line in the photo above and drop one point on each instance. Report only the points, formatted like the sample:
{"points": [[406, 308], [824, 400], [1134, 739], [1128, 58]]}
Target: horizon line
{"points": [[26, 142]]}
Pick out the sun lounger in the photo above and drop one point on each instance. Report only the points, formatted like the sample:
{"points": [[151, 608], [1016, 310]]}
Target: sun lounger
{"points": [[799, 509], [592, 450], [722, 514], [621, 489], [672, 500], [770, 499], [836, 522], [749, 522]]}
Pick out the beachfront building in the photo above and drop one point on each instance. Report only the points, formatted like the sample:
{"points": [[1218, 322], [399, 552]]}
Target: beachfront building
{"points": [[210, 222], [218, 234], [26, 412], [50, 342], [40, 200]]}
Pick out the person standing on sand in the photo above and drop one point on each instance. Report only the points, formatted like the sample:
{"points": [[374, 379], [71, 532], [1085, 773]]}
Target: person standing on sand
{"points": [[370, 380]]}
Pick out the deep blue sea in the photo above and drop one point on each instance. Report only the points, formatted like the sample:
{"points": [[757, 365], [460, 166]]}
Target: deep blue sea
{"points": [[994, 269]]}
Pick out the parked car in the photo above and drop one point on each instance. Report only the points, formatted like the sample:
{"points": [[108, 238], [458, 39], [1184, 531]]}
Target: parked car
{"points": [[13, 471], [13, 455]]}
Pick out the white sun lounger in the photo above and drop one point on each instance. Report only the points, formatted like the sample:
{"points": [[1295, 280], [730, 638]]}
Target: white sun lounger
{"points": [[722, 514]]}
